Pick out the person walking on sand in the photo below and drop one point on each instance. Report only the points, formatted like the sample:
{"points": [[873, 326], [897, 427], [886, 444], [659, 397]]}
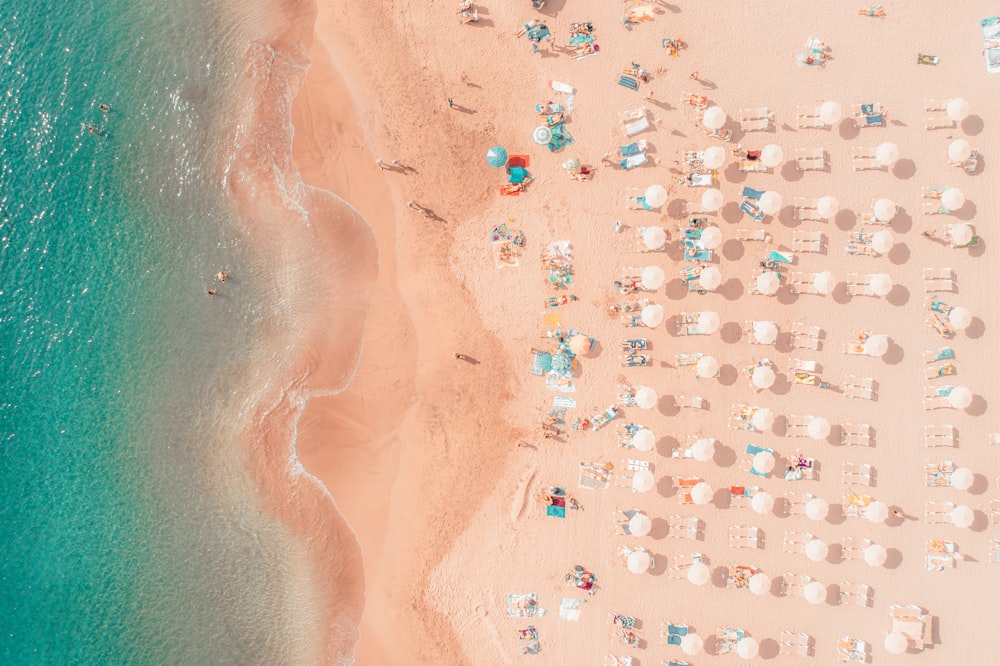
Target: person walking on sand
{"points": [[413, 205], [451, 103], [212, 292], [221, 276], [379, 164]]}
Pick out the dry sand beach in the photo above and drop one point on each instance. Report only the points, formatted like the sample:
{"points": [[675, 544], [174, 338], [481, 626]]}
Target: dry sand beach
{"points": [[421, 453]]}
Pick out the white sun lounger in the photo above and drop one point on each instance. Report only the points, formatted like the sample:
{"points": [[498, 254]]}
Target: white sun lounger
{"points": [[810, 159]]}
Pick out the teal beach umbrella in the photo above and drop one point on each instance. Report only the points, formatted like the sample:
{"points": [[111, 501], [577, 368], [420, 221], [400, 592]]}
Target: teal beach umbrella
{"points": [[496, 157]]}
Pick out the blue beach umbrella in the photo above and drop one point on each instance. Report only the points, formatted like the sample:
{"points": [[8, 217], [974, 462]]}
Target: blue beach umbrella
{"points": [[562, 363], [496, 157]]}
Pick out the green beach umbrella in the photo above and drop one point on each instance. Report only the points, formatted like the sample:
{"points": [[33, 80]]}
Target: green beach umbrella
{"points": [[496, 157]]}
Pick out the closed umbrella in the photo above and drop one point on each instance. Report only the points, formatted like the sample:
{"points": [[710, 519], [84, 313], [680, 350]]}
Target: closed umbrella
{"points": [[960, 397], [765, 332], [827, 206], [953, 198], [713, 157], [692, 644], [885, 210], [762, 503], [880, 284], [815, 592], [541, 135], [654, 238], [711, 238], [818, 428], [763, 377], [770, 202], [707, 367], [961, 516], [762, 419], [875, 555], [708, 323], [886, 154], [639, 525], [656, 196], [961, 234], [698, 573], [652, 315], [579, 344], [768, 283], [830, 112], [652, 277], [772, 155], [643, 481], [876, 345], [962, 478], [817, 508], [643, 440], [959, 150], [711, 200], [703, 449], [759, 584], [896, 643], [747, 647], [496, 157], [824, 282], [702, 493], [763, 461], [877, 512], [714, 118], [710, 278], [960, 317], [645, 397], [882, 241], [957, 109], [817, 550], [638, 561]]}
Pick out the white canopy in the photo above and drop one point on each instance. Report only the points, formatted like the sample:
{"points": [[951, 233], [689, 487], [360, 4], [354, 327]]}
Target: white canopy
{"points": [[896, 643], [714, 118], [655, 196], [957, 109], [817, 550], [708, 322], [885, 210], [876, 345], [961, 516], [830, 112], [747, 647], [713, 157], [711, 238], [818, 428], [639, 525], [702, 493], [824, 282], [654, 238], [770, 202], [645, 397], [960, 397], [707, 367], [643, 481], [643, 440], [638, 561], [765, 332], [875, 555], [698, 573], [877, 512], [768, 283], [817, 508], [763, 377], [882, 241], [815, 592], [880, 283], [772, 155], [962, 478], [961, 234], [827, 206], [886, 154], [652, 315], [762, 503], [762, 419], [710, 278], [712, 200], [763, 461], [959, 150], [953, 198], [692, 644], [652, 277], [759, 584], [703, 449]]}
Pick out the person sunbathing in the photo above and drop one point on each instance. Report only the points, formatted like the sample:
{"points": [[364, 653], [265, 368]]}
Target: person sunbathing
{"points": [[696, 100], [526, 27], [875, 11]]}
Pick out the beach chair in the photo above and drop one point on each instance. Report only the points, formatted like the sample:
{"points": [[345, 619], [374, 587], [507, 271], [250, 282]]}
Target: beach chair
{"points": [[995, 550], [856, 594], [939, 435], [726, 639], [683, 360], [802, 341], [752, 166], [868, 115], [936, 398], [802, 283], [807, 241], [938, 513], [802, 365], [678, 564], [671, 634], [994, 438], [740, 496], [860, 392], [760, 235], [852, 650], [808, 117], [810, 159], [694, 402], [793, 585], [938, 475], [795, 644], [751, 450], [853, 548], [744, 536], [684, 527], [522, 605], [755, 120], [938, 122], [938, 279], [805, 210], [938, 371], [855, 472], [795, 542], [612, 660], [863, 159], [637, 126], [795, 503], [796, 426], [683, 486]]}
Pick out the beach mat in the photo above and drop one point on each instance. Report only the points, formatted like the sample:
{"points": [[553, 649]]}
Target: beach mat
{"points": [[569, 609], [991, 30], [563, 401]]}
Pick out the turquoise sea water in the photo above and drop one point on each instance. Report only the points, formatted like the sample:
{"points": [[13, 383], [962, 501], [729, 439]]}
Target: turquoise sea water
{"points": [[130, 531]]}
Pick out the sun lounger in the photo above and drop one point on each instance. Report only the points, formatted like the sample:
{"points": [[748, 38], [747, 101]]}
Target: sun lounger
{"points": [[863, 159], [794, 584], [853, 548], [801, 365], [795, 542], [684, 527], [678, 564], [971, 163], [937, 513], [808, 117], [795, 503], [726, 639], [938, 371], [636, 126], [939, 435], [796, 426], [805, 210], [863, 289], [755, 120], [938, 475], [687, 359], [810, 159], [744, 536], [856, 594], [807, 241], [855, 472], [740, 496], [694, 402], [801, 341], [856, 434], [746, 235], [995, 511], [795, 644], [752, 166], [859, 392], [938, 279], [868, 115], [852, 650], [936, 397], [938, 122], [671, 634]]}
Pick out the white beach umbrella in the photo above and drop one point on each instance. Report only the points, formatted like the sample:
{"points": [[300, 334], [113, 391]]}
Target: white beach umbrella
{"points": [[702, 493], [703, 449], [875, 555], [713, 158], [645, 397], [763, 462], [765, 332], [708, 322], [762, 503], [880, 284], [830, 112], [763, 377], [698, 573], [541, 135], [770, 202], [762, 419], [817, 508], [692, 644], [768, 283], [961, 516], [710, 278], [639, 525], [887, 153], [876, 345], [643, 481], [747, 648], [957, 109], [652, 277], [896, 643], [817, 550], [961, 234], [877, 512], [643, 440], [714, 118], [712, 200], [815, 592], [885, 210], [953, 198], [638, 561], [962, 478], [580, 344], [652, 315], [655, 196], [759, 584], [959, 150], [818, 428], [772, 155], [960, 317], [707, 367], [882, 241], [960, 397], [711, 238], [824, 282], [827, 206], [654, 238]]}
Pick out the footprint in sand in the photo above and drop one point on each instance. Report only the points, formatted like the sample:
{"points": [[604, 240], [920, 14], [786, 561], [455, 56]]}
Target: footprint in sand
{"points": [[520, 499]]}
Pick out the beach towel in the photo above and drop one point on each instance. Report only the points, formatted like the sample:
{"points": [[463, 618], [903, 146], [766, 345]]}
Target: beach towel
{"points": [[751, 193], [522, 605], [531, 647], [541, 363], [991, 31], [944, 353], [561, 383], [556, 511], [569, 609], [563, 401]]}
